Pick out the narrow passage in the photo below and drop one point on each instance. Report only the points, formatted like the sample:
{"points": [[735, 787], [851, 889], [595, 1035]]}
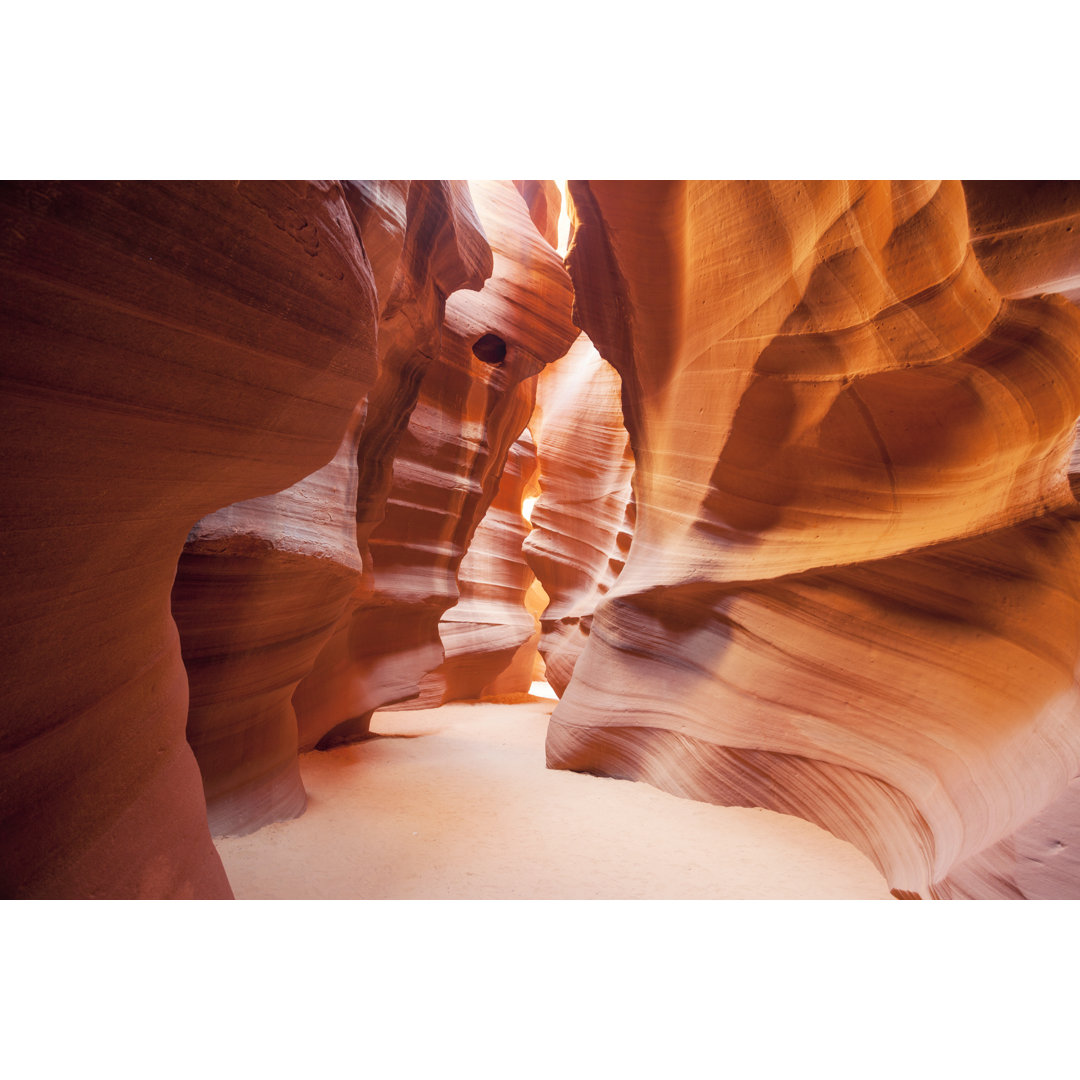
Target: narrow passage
{"points": [[455, 803]]}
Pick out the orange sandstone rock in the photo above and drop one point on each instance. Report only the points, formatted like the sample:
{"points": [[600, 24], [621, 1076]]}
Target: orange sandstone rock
{"points": [[545, 202], [851, 593], [473, 401], [169, 349], [1026, 234], [262, 584], [489, 636], [583, 519]]}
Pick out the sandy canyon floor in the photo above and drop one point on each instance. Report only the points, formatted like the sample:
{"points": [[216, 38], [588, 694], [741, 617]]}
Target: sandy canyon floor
{"points": [[455, 803]]}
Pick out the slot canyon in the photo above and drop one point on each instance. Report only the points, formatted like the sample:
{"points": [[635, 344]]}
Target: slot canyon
{"points": [[360, 531]]}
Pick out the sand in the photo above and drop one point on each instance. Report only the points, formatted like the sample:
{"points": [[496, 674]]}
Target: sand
{"points": [[456, 803]]}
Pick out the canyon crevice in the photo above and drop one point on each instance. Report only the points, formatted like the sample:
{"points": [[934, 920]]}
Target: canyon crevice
{"points": [[805, 536]]}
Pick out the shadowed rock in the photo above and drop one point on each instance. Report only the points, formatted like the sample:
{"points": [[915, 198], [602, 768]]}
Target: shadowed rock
{"points": [[262, 584], [170, 348]]}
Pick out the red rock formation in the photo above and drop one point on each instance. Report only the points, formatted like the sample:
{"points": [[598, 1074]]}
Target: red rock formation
{"points": [[545, 202], [262, 584], [852, 590], [473, 403], [170, 348], [489, 637], [583, 520], [1026, 234]]}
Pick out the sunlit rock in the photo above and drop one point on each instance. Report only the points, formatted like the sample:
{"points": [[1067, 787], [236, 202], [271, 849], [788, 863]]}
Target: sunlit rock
{"points": [[852, 589], [583, 519], [262, 584], [473, 400]]}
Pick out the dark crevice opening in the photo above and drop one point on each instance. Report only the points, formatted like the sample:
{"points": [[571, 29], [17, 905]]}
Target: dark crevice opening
{"points": [[490, 349]]}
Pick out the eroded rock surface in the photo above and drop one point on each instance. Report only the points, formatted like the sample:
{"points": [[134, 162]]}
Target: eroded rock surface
{"points": [[1026, 234], [262, 584], [583, 519], [489, 636], [169, 349], [472, 403], [545, 203], [852, 589]]}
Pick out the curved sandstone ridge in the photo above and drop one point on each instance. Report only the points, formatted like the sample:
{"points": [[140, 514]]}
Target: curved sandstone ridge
{"points": [[262, 584], [583, 519], [1026, 234], [472, 402], [851, 593], [170, 348], [489, 636]]}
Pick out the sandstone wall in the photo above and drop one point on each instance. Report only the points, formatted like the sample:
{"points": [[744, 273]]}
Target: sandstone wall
{"points": [[474, 400], [169, 349], [583, 519], [262, 584], [1026, 234], [852, 589], [489, 637]]}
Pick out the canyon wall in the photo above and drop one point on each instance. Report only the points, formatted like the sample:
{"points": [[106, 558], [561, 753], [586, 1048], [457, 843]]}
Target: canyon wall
{"points": [[1026, 234], [583, 519], [262, 584], [806, 520], [473, 401], [169, 349], [489, 637], [852, 592]]}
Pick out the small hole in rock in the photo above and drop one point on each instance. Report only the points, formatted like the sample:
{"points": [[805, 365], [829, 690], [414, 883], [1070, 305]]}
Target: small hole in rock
{"points": [[490, 349]]}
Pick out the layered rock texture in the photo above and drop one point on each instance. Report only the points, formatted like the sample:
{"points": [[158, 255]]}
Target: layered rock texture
{"points": [[169, 349], [489, 637], [472, 401], [262, 584], [852, 592], [583, 519], [807, 527]]}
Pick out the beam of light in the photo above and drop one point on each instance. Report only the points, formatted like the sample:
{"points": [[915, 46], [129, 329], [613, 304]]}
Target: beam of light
{"points": [[564, 219]]}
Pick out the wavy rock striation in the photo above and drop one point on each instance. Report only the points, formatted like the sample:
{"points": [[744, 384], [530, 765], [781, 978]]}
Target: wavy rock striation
{"points": [[1026, 234], [583, 519], [170, 348], [473, 401], [489, 636], [262, 584], [852, 593]]}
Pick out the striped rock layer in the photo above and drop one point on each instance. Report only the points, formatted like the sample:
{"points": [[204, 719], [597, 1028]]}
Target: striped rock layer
{"points": [[262, 583], [583, 519], [1026, 234], [472, 401], [489, 636], [852, 592], [169, 349]]}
